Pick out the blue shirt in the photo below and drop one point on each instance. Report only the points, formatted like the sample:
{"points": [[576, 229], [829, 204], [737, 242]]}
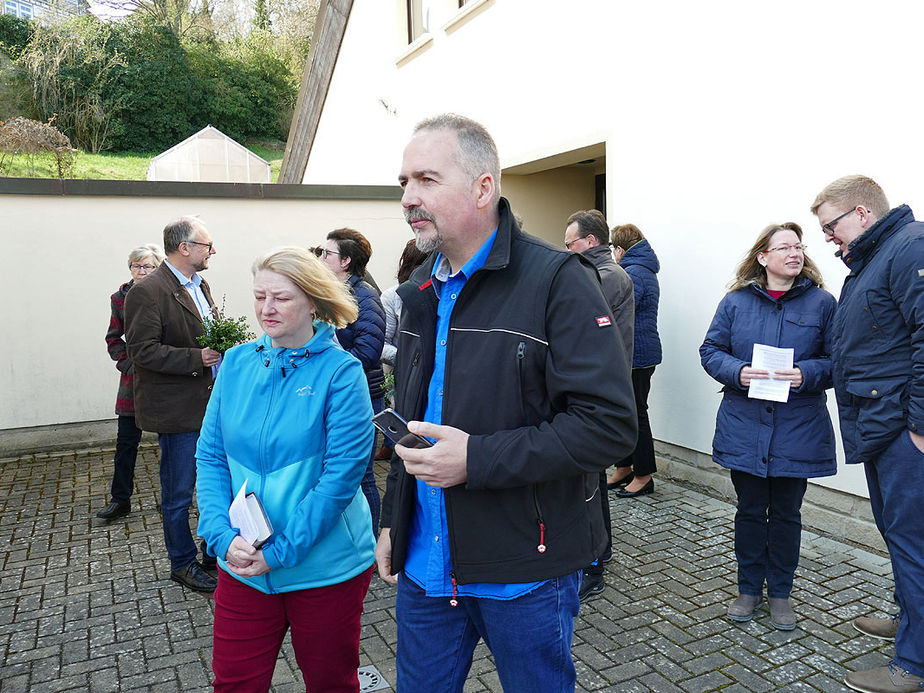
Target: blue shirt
{"points": [[427, 562], [193, 286]]}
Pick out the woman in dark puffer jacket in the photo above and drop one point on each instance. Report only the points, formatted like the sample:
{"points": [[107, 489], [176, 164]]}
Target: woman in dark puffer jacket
{"points": [[772, 447], [347, 252], [633, 475]]}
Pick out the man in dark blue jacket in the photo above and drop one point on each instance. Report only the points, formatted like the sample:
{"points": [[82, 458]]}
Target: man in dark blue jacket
{"points": [[878, 366], [498, 362]]}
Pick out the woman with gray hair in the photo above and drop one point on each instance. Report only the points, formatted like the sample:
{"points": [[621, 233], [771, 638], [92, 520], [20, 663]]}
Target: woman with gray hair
{"points": [[141, 261]]}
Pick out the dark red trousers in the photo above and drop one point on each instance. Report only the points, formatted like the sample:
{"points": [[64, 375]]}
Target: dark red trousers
{"points": [[250, 626]]}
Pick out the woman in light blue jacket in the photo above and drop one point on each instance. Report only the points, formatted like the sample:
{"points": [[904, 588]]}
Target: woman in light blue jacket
{"points": [[772, 447], [290, 416]]}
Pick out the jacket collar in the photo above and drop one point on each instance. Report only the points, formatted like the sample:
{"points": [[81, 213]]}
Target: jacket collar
{"points": [[862, 249], [598, 254], [799, 286], [498, 258]]}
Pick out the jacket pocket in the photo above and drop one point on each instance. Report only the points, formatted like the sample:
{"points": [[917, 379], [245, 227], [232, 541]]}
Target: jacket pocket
{"points": [[881, 411]]}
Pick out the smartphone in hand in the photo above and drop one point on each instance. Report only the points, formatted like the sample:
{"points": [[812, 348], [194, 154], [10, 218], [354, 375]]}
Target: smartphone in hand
{"points": [[394, 427]]}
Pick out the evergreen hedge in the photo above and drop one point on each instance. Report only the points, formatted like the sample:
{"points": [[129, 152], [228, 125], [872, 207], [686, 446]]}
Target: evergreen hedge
{"points": [[134, 86]]}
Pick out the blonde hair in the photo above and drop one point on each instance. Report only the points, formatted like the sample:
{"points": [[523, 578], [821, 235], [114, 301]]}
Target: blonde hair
{"points": [[750, 271], [851, 192], [150, 250], [331, 297]]}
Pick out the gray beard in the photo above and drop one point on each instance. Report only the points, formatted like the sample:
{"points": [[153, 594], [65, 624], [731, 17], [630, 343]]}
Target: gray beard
{"points": [[428, 245]]}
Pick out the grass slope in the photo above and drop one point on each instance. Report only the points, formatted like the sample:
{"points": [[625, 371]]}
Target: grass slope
{"points": [[118, 166]]}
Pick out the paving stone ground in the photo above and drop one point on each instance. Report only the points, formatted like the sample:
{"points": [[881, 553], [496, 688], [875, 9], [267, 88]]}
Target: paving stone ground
{"points": [[89, 606]]}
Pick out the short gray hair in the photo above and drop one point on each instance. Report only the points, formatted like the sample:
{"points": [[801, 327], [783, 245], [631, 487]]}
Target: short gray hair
{"points": [[476, 153], [180, 231], [142, 252]]}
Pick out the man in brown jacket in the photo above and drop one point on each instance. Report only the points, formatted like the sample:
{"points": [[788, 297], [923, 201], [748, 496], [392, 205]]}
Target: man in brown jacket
{"points": [[173, 380]]}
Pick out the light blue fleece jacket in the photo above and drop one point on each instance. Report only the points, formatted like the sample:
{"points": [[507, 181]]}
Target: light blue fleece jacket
{"points": [[295, 423]]}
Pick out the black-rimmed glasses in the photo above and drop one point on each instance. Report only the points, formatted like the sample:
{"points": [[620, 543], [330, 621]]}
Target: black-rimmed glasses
{"points": [[829, 227], [207, 245]]}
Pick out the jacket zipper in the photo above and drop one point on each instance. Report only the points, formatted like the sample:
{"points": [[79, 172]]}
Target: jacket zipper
{"points": [[521, 379], [455, 588], [541, 547]]}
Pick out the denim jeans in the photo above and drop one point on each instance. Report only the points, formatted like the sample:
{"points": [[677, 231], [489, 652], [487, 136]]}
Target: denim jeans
{"points": [[123, 476], [177, 483], [768, 531], [530, 638], [370, 490], [896, 491]]}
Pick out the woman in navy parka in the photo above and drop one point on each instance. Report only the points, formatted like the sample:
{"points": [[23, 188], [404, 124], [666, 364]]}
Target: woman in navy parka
{"points": [[771, 448], [633, 252]]}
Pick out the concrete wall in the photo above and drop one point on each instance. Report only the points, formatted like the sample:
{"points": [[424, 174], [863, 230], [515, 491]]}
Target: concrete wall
{"points": [[65, 252], [717, 119]]}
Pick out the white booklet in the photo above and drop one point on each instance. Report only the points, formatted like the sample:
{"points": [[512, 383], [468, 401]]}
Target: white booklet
{"points": [[771, 359], [247, 515]]}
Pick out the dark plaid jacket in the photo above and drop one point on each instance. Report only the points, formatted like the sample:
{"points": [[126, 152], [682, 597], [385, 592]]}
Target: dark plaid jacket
{"points": [[115, 343]]}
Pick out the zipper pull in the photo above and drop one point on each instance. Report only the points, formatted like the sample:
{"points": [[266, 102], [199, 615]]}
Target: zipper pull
{"points": [[283, 371], [453, 601], [521, 351], [541, 547]]}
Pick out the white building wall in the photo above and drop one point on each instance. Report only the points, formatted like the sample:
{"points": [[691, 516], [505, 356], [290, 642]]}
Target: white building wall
{"points": [[65, 255], [718, 118]]}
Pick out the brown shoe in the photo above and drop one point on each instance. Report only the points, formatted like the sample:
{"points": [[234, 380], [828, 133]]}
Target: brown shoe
{"points": [[882, 628], [782, 617], [744, 607], [888, 679]]}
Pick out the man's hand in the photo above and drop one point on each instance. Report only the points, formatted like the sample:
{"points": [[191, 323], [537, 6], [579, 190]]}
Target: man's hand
{"points": [[748, 374], [210, 357], [793, 375], [383, 557], [444, 464], [917, 439]]}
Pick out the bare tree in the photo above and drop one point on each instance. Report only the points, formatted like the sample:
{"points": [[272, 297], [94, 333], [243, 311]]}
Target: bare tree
{"points": [[181, 16]]}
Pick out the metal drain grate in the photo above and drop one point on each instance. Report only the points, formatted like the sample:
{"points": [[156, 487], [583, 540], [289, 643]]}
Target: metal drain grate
{"points": [[371, 680]]}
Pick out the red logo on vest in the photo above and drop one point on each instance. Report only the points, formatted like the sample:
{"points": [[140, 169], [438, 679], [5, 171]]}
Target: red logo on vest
{"points": [[604, 321]]}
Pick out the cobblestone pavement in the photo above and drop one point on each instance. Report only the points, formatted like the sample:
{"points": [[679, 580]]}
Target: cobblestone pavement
{"points": [[86, 606]]}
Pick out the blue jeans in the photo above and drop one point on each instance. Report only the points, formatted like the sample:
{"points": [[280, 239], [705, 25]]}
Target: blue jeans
{"points": [[123, 476], [370, 490], [768, 530], [530, 638], [896, 491], [177, 483]]}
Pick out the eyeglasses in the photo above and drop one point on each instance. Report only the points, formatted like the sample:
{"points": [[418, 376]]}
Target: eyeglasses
{"points": [[568, 244], [146, 268], [207, 245], [784, 249], [829, 227], [325, 252]]}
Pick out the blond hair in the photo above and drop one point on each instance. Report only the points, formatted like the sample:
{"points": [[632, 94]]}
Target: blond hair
{"points": [[850, 192], [331, 297], [750, 271]]}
